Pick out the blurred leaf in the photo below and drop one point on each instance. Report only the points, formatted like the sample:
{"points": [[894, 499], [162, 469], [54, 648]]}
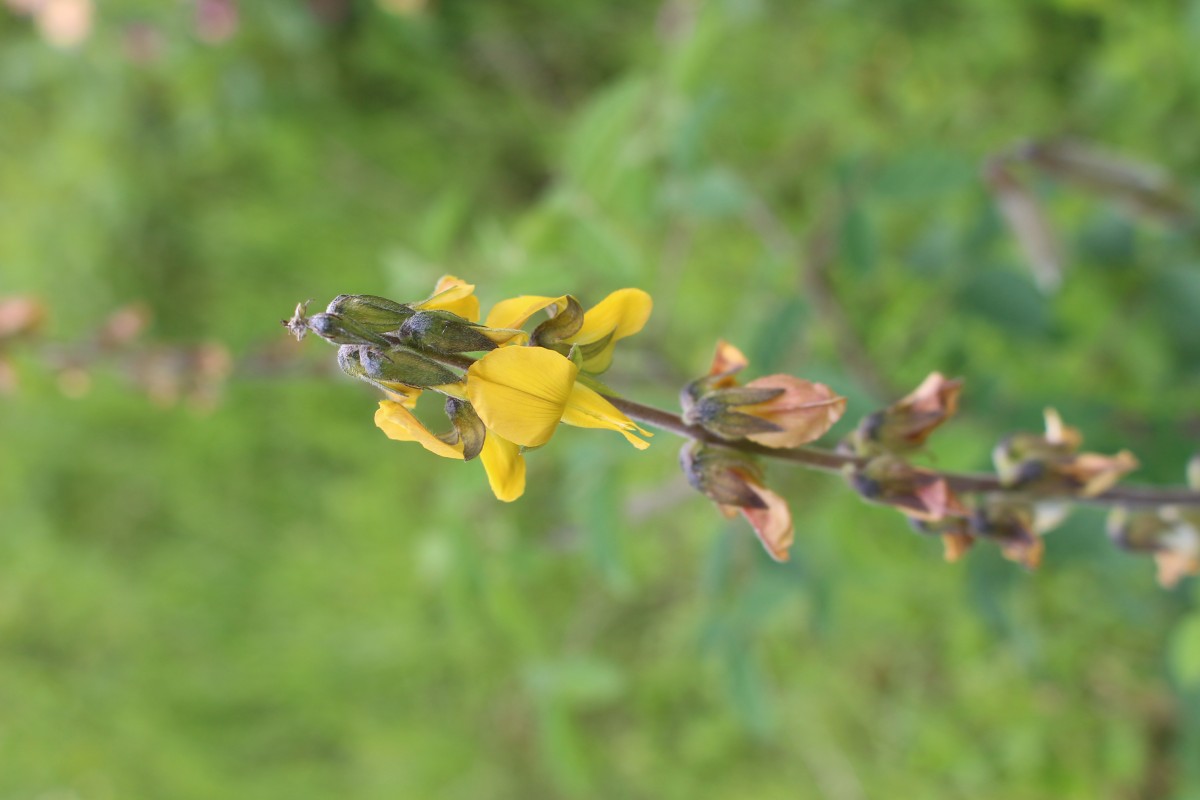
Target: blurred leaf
{"points": [[1176, 295], [923, 174], [858, 240], [600, 138], [1185, 652], [748, 691], [779, 334], [712, 194], [576, 681], [1007, 300]]}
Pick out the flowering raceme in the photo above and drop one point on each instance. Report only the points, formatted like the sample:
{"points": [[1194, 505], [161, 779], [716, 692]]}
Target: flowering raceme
{"points": [[513, 397], [506, 389]]}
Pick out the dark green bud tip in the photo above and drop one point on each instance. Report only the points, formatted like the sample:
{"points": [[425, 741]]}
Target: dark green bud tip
{"points": [[444, 332], [468, 427], [403, 366], [560, 327]]}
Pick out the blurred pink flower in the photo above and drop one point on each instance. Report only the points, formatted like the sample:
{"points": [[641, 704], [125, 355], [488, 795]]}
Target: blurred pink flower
{"points": [[216, 20]]}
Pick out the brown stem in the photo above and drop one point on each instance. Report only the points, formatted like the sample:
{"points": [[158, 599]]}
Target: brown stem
{"points": [[829, 461]]}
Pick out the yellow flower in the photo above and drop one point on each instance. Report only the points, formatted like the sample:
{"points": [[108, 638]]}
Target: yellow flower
{"points": [[621, 314], [502, 460], [522, 393]]}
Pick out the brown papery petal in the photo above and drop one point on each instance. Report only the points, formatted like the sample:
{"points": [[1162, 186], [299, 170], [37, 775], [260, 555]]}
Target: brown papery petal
{"points": [[805, 410]]}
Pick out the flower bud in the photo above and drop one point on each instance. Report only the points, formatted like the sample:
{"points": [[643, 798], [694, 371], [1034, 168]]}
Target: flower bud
{"points": [[444, 332], [954, 531], [337, 329], [1049, 463], [715, 411], [376, 314], [721, 475], [406, 367], [1137, 531], [1011, 526], [468, 427], [916, 493], [350, 360], [565, 323], [734, 482], [905, 425], [774, 411]]}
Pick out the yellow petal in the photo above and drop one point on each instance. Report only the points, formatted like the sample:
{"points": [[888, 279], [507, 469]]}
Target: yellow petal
{"points": [[399, 423], [457, 389], [505, 467], [454, 295], [503, 336], [404, 395], [521, 392], [623, 313], [514, 312], [587, 409]]}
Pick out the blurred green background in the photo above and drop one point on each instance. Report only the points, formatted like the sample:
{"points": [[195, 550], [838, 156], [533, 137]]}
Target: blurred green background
{"points": [[258, 595]]}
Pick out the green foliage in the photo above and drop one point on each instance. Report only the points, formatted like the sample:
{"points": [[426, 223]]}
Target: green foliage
{"points": [[276, 601]]}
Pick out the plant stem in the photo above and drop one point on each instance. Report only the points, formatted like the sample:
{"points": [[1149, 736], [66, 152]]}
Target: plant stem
{"points": [[829, 461]]}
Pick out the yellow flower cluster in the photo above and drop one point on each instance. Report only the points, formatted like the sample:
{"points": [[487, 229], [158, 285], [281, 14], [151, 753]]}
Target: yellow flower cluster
{"points": [[521, 393]]}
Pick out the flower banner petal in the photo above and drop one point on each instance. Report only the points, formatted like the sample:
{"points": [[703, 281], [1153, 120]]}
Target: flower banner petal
{"points": [[521, 392]]}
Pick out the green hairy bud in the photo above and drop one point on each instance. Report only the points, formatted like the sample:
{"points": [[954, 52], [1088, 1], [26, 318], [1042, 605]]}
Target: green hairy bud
{"points": [[444, 332], [404, 366], [369, 312]]}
